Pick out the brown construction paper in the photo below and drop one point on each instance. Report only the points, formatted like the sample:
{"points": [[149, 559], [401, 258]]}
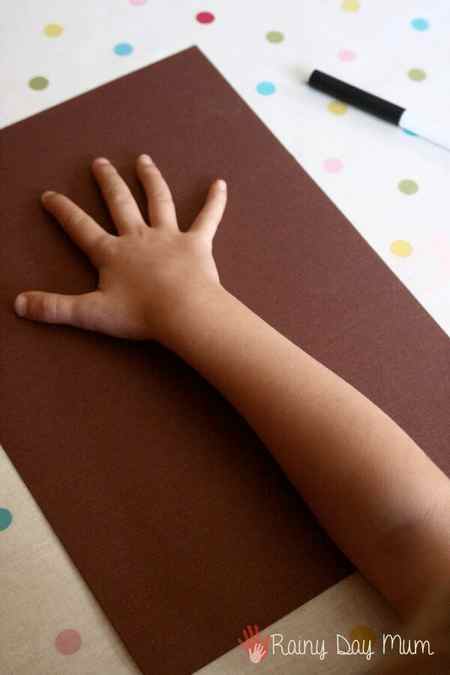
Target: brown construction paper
{"points": [[175, 514]]}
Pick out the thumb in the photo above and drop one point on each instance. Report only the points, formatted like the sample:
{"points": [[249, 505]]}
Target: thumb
{"points": [[83, 311]]}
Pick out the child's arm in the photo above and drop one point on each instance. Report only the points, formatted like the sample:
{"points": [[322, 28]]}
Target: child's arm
{"points": [[383, 501]]}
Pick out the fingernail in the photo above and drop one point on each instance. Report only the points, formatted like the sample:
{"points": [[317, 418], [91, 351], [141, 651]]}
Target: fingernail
{"points": [[101, 160], [47, 194], [21, 305], [221, 184], [145, 159]]}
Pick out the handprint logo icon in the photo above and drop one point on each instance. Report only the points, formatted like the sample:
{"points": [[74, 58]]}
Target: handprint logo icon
{"points": [[255, 645]]}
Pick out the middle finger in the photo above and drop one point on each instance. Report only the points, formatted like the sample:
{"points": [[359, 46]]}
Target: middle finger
{"points": [[121, 203]]}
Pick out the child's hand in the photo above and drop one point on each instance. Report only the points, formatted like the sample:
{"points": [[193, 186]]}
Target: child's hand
{"points": [[145, 272]]}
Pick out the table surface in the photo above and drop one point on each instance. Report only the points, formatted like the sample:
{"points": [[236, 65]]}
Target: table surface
{"points": [[390, 185]]}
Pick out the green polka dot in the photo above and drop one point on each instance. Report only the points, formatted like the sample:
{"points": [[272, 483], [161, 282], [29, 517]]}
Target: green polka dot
{"points": [[417, 74], [5, 519], [37, 83], [275, 36], [408, 186]]}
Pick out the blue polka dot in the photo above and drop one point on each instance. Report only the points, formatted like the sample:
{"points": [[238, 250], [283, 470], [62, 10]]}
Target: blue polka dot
{"points": [[123, 49], [408, 132], [420, 24], [266, 88], [5, 519]]}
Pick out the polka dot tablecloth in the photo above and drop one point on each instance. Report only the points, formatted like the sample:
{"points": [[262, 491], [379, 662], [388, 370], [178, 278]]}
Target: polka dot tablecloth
{"points": [[392, 185]]}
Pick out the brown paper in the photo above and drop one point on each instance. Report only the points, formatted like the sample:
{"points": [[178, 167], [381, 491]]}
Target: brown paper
{"points": [[175, 514]]}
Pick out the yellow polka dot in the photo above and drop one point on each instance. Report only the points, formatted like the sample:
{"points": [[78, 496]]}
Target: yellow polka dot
{"points": [[53, 30], [365, 637], [337, 107], [350, 5], [401, 248]]}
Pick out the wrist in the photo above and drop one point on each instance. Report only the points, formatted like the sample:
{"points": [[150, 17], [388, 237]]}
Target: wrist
{"points": [[191, 310]]}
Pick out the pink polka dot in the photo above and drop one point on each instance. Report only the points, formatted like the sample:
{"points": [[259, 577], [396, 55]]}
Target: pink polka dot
{"points": [[137, 2], [205, 17], [68, 641], [346, 55], [333, 165]]}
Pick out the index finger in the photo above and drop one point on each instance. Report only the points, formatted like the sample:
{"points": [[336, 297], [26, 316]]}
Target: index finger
{"points": [[211, 214], [81, 228]]}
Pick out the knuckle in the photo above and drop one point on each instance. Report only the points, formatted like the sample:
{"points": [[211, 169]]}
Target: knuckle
{"points": [[141, 231], [105, 247], [162, 196], [48, 307], [117, 196], [73, 217]]}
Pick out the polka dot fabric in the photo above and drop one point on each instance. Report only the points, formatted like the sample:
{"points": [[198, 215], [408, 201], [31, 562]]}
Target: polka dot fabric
{"points": [[266, 88], [205, 17], [337, 107], [420, 24], [68, 642], [333, 165], [123, 49], [350, 5], [5, 518], [391, 184], [38, 83], [346, 55], [53, 30], [417, 74], [408, 186], [275, 36]]}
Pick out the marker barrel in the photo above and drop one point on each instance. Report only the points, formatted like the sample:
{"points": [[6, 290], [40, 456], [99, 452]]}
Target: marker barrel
{"points": [[357, 97]]}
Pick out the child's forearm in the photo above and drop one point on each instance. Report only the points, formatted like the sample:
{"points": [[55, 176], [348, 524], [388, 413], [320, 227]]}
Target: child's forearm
{"points": [[383, 501]]}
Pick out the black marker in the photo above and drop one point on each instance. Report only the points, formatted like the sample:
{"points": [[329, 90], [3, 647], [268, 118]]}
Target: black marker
{"points": [[417, 123]]}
